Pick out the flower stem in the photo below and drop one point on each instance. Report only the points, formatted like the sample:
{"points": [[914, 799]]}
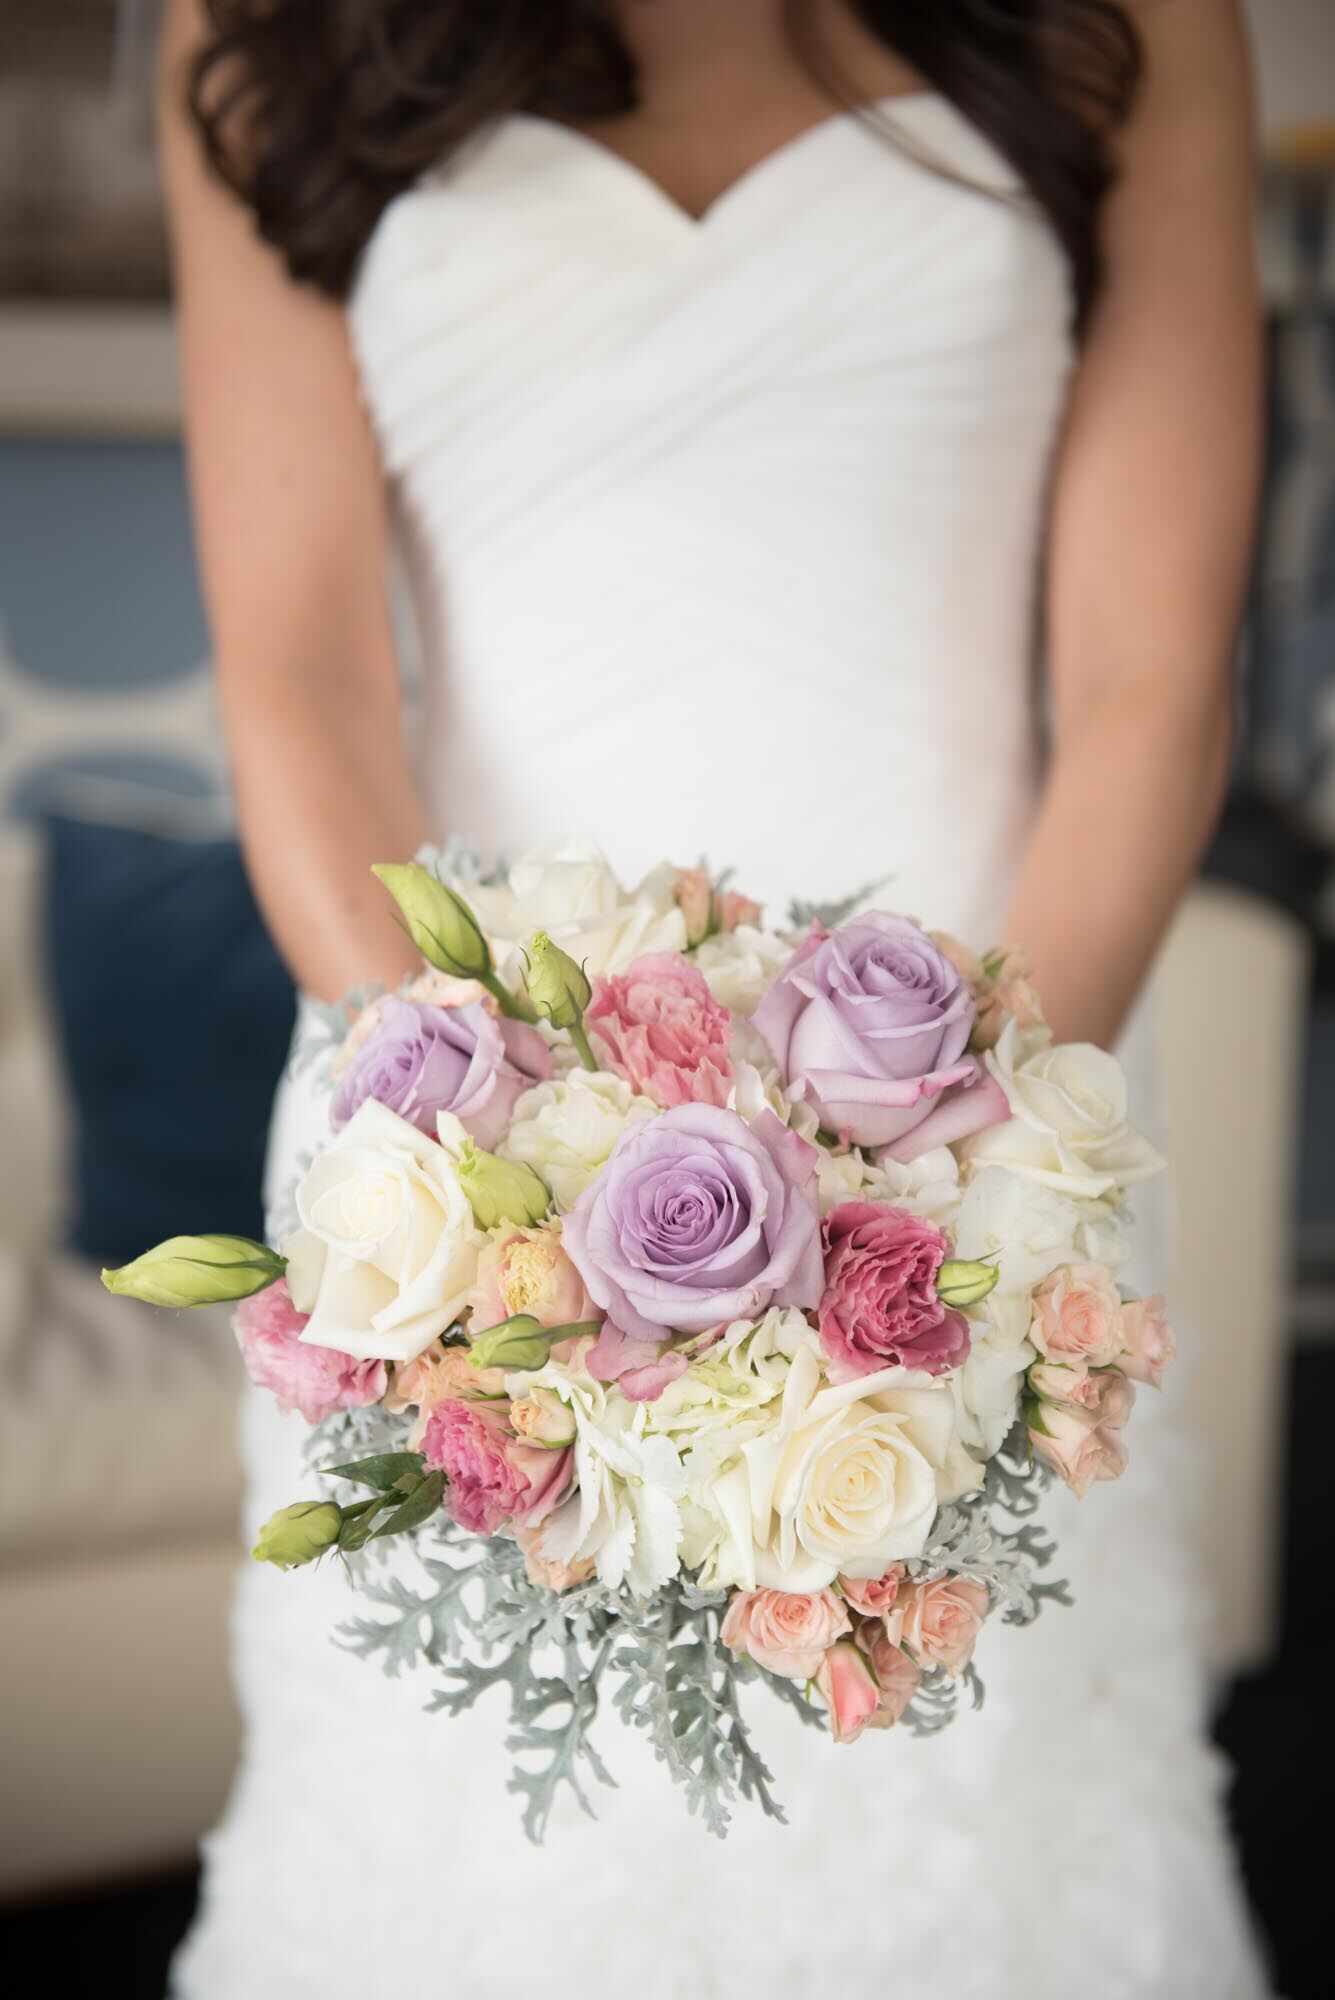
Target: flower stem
{"points": [[518, 1008], [581, 1041]]}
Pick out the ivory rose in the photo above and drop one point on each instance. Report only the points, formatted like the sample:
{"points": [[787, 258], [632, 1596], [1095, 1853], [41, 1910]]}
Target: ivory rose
{"points": [[315, 1380], [1148, 1346], [1068, 1129], [850, 1478], [568, 890], [786, 1632], [1077, 1316], [387, 1249], [662, 1030], [938, 1620]]}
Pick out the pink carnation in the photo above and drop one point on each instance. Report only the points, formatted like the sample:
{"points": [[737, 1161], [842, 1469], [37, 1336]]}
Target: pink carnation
{"points": [[493, 1477], [315, 1380], [880, 1304], [663, 1030]]}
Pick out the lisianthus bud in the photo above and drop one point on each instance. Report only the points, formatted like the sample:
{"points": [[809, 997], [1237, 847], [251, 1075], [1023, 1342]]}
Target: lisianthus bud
{"points": [[197, 1271], [542, 1418], [501, 1190], [557, 986], [515, 1343], [960, 1283], [298, 1534], [440, 924]]}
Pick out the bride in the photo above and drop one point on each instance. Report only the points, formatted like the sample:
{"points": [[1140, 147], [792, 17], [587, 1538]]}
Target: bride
{"points": [[752, 394]]}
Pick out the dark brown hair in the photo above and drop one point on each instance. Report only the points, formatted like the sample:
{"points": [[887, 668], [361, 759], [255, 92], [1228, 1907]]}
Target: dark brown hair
{"points": [[318, 112]]}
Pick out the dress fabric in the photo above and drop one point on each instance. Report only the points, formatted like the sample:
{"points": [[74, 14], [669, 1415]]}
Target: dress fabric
{"points": [[724, 538]]}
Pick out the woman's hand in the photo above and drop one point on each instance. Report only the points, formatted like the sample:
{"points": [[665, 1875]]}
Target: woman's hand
{"points": [[290, 522], [1151, 531]]}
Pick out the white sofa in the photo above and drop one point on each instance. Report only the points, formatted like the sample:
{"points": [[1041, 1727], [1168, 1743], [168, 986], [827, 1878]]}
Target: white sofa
{"points": [[118, 1486]]}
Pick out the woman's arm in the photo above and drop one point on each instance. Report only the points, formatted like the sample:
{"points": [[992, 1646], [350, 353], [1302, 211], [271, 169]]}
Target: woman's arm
{"points": [[289, 519], [1151, 531]]}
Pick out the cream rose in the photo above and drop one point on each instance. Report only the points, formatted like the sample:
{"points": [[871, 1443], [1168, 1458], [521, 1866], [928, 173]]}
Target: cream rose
{"points": [[1068, 1128], [565, 1130], [851, 1477], [388, 1248], [569, 891]]}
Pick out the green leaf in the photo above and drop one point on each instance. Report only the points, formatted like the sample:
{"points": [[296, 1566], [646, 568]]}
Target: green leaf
{"points": [[420, 1505], [382, 1471]]}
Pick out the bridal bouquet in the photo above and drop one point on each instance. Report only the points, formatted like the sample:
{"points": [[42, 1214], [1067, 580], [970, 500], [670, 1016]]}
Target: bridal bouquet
{"points": [[679, 1302]]}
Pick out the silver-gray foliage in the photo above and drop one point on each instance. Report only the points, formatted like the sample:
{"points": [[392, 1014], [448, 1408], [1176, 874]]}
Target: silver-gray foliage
{"points": [[463, 1608]]}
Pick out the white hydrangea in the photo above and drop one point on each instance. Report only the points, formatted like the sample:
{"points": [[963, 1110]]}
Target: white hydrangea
{"points": [[740, 966], [566, 1129], [988, 1385], [625, 1512]]}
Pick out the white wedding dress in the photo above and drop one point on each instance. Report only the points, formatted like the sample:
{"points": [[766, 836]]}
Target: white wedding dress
{"points": [[724, 538]]}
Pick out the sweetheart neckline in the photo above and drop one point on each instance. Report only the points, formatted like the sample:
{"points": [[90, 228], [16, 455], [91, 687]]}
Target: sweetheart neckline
{"points": [[852, 118]]}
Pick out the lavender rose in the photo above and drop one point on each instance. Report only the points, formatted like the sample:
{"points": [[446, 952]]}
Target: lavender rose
{"points": [[699, 1218], [869, 1023], [419, 1060]]}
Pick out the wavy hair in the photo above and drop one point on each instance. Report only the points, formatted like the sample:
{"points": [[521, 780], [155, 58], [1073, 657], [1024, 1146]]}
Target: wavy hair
{"points": [[318, 112]]}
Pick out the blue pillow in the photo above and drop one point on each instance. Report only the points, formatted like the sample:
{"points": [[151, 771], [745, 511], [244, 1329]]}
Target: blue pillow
{"points": [[174, 1014]]}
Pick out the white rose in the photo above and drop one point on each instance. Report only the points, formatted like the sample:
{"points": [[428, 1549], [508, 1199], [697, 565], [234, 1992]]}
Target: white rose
{"points": [[989, 1384], [1068, 1128], [566, 1129], [850, 1480], [569, 891], [388, 1247], [740, 966]]}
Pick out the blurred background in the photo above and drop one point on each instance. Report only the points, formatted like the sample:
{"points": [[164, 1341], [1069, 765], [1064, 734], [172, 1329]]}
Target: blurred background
{"points": [[130, 947]]}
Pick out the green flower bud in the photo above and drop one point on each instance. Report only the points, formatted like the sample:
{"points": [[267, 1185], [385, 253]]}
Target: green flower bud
{"points": [[965, 1284], [501, 1190], [298, 1534], [197, 1271], [440, 924], [557, 986], [521, 1342]]}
